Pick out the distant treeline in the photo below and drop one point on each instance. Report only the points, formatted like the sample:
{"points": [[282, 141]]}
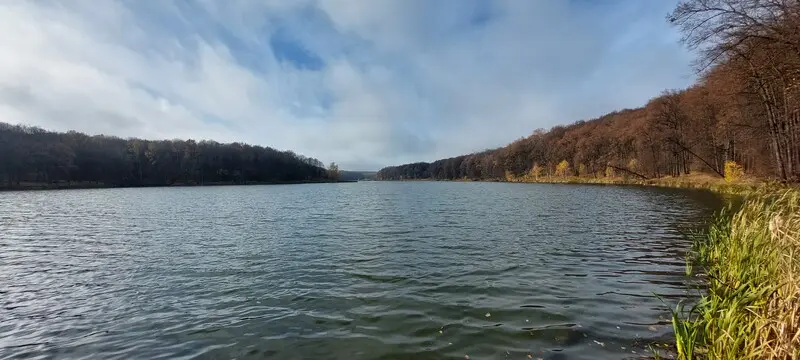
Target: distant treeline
{"points": [[30, 155], [345, 175], [744, 110]]}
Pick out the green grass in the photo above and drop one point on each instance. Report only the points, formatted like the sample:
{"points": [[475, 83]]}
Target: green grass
{"points": [[751, 258]]}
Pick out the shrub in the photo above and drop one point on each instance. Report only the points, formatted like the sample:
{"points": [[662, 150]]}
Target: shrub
{"points": [[733, 171]]}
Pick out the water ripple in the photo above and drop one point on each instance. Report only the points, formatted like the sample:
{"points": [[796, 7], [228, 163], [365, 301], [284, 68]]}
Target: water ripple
{"points": [[346, 271]]}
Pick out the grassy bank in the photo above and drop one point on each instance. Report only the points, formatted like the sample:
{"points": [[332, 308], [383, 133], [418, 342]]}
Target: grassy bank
{"points": [[741, 186], [691, 181], [751, 259]]}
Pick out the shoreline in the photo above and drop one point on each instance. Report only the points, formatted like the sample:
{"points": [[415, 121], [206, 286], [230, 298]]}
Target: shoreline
{"points": [[84, 185], [716, 185]]}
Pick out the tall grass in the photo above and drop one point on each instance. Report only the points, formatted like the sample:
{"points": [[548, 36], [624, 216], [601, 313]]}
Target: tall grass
{"points": [[751, 258]]}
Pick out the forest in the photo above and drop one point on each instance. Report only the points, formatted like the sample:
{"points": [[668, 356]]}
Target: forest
{"points": [[30, 155], [743, 111]]}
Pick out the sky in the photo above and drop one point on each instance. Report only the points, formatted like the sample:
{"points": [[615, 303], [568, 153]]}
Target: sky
{"points": [[364, 83]]}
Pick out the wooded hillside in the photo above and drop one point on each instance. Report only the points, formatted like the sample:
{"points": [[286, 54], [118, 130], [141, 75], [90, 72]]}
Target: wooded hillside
{"points": [[33, 155], [745, 108]]}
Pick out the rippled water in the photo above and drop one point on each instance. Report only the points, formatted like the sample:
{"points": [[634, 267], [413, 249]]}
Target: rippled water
{"points": [[372, 270]]}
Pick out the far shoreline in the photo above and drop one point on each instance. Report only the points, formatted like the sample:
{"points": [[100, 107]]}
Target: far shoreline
{"points": [[40, 186], [682, 182]]}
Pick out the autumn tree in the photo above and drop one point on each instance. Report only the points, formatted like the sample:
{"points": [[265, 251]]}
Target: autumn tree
{"points": [[536, 171], [744, 109], [333, 170], [562, 169], [760, 39]]}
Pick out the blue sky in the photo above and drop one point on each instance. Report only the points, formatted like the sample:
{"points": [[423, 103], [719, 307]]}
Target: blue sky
{"points": [[363, 83]]}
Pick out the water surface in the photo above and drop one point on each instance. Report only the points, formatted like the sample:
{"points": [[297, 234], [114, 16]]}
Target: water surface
{"points": [[371, 270]]}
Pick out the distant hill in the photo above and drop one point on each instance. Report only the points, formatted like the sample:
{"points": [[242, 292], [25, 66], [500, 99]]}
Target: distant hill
{"points": [[357, 175], [32, 156]]}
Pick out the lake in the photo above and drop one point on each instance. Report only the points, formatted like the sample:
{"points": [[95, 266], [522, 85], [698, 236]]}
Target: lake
{"points": [[369, 270]]}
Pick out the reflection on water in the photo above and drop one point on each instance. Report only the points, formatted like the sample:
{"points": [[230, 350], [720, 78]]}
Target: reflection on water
{"points": [[370, 270]]}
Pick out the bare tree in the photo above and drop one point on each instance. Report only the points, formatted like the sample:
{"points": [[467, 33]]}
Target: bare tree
{"points": [[760, 38]]}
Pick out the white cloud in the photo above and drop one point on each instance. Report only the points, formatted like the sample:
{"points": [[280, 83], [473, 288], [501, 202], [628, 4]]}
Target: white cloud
{"points": [[400, 80]]}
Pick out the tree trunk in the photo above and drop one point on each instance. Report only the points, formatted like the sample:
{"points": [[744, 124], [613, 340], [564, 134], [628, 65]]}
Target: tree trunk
{"points": [[774, 132], [794, 129], [629, 171]]}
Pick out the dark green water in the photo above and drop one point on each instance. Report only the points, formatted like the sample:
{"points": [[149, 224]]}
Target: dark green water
{"points": [[372, 270]]}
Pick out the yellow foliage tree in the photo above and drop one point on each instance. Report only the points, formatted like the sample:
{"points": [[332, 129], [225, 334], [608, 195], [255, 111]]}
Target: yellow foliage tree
{"points": [[609, 172], [581, 170], [733, 171], [509, 176], [633, 164], [562, 169], [536, 171]]}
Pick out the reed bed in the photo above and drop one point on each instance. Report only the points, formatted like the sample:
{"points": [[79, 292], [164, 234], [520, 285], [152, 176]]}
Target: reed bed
{"points": [[751, 259]]}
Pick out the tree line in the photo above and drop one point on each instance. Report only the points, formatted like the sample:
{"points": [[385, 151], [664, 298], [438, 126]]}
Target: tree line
{"points": [[33, 155], [743, 110]]}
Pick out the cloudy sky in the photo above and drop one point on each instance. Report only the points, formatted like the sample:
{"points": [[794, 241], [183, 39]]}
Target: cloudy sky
{"points": [[365, 83]]}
